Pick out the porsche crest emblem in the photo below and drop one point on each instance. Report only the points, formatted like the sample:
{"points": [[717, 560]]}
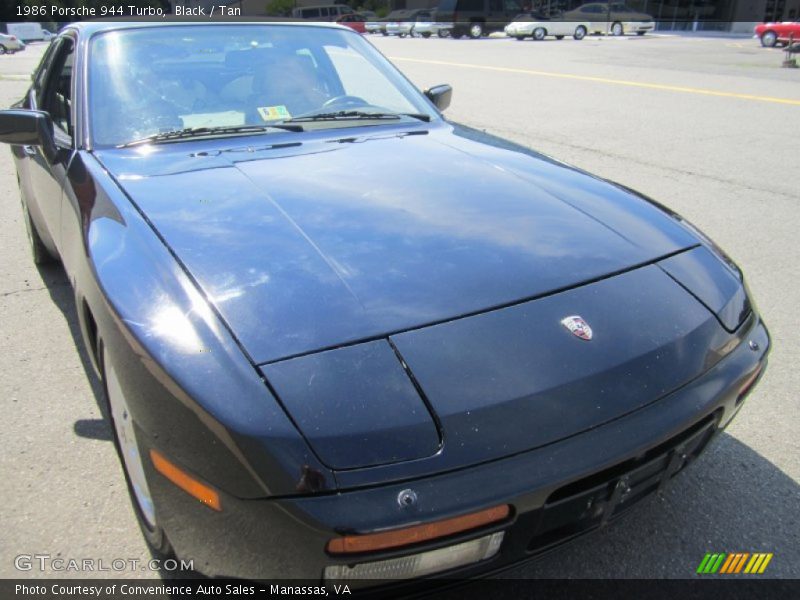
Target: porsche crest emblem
{"points": [[578, 327]]}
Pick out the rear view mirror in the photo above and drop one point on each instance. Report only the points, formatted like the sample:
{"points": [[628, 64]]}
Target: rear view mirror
{"points": [[28, 128], [440, 95]]}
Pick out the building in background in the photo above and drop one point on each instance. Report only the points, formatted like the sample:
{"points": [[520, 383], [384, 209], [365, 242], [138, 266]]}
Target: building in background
{"points": [[738, 16]]}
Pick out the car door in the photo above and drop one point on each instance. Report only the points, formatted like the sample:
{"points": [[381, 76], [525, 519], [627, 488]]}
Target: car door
{"points": [[23, 154], [558, 25], [45, 177]]}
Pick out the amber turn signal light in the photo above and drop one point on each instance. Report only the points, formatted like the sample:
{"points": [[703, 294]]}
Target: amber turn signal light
{"points": [[186, 482], [352, 544], [748, 384]]}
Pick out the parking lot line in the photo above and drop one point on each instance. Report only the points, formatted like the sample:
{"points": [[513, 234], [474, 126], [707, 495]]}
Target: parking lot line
{"points": [[639, 84]]}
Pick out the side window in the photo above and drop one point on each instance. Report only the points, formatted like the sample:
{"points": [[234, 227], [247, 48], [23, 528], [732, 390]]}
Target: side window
{"points": [[40, 78], [57, 95]]}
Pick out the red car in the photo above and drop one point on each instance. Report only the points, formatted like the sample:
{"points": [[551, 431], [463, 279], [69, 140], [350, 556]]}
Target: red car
{"points": [[772, 33], [354, 22]]}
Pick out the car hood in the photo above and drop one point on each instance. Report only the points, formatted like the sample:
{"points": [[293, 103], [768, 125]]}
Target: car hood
{"points": [[306, 246]]}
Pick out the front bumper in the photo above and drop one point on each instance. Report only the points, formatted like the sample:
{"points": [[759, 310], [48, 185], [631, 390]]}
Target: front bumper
{"points": [[557, 492], [515, 30]]}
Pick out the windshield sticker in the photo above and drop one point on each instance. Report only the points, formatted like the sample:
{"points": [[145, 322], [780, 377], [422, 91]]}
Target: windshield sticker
{"points": [[274, 113]]}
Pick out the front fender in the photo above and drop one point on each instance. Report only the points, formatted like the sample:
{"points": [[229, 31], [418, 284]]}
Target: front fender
{"points": [[190, 388]]}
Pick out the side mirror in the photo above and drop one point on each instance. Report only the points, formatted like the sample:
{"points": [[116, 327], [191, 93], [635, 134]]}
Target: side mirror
{"points": [[440, 95], [22, 127]]}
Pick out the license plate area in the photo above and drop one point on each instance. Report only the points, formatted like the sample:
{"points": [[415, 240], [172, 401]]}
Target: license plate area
{"points": [[592, 502]]}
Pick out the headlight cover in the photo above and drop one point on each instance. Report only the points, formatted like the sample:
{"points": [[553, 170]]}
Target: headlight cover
{"points": [[707, 278]]}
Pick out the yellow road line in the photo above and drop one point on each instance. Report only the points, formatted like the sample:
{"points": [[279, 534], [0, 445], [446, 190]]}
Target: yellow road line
{"points": [[638, 84]]}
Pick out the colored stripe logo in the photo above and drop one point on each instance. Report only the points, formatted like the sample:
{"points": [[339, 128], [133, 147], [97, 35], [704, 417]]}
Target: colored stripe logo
{"points": [[734, 563]]}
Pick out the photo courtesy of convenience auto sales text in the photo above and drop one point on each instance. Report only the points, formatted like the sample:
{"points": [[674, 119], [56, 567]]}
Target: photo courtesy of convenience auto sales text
{"points": [[103, 590]]}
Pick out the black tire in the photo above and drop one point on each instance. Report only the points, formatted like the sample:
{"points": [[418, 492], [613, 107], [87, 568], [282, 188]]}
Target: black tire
{"points": [[3, 49], [580, 32], [401, 35], [617, 30], [384, 32], [475, 30], [153, 534], [539, 34], [519, 38], [426, 35], [640, 33], [456, 33], [769, 39], [559, 37], [443, 33], [39, 252]]}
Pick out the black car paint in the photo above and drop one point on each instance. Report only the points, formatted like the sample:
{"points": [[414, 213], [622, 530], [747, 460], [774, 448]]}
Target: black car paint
{"points": [[207, 399], [289, 534], [385, 252]]}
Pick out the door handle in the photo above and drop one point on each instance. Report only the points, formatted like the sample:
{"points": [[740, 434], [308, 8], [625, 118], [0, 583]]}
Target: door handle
{"points": [[29, 150]]}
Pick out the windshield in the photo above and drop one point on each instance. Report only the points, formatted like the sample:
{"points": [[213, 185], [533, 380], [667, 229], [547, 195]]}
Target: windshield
{"points": [[155, 80]]}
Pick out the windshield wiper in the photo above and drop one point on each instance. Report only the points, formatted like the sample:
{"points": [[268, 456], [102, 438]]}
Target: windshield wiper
{"points": [[356, 115], [190, 132]]}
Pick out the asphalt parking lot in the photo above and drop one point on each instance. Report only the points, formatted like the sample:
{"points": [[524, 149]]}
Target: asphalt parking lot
{"points": [[707, 126]]}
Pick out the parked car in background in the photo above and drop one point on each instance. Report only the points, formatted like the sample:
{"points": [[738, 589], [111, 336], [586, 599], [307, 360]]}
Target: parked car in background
{"points": [[615, 18], [323, 12], [538, 27], [372, 23], [9, 44], [393, 17], [426, 26], [476, 18], [401, 22], [354, 22], [771, 34], [26, 32], [373, 26]]}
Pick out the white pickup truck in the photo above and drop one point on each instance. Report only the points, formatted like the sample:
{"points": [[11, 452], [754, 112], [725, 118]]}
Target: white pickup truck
{"points": [[29, 32]]}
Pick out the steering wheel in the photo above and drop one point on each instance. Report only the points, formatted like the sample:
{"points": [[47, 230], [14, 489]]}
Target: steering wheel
{"points": [[345, 100]]}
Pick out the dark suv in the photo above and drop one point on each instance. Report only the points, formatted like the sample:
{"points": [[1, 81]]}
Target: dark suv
{"points": [[477, 18]]}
